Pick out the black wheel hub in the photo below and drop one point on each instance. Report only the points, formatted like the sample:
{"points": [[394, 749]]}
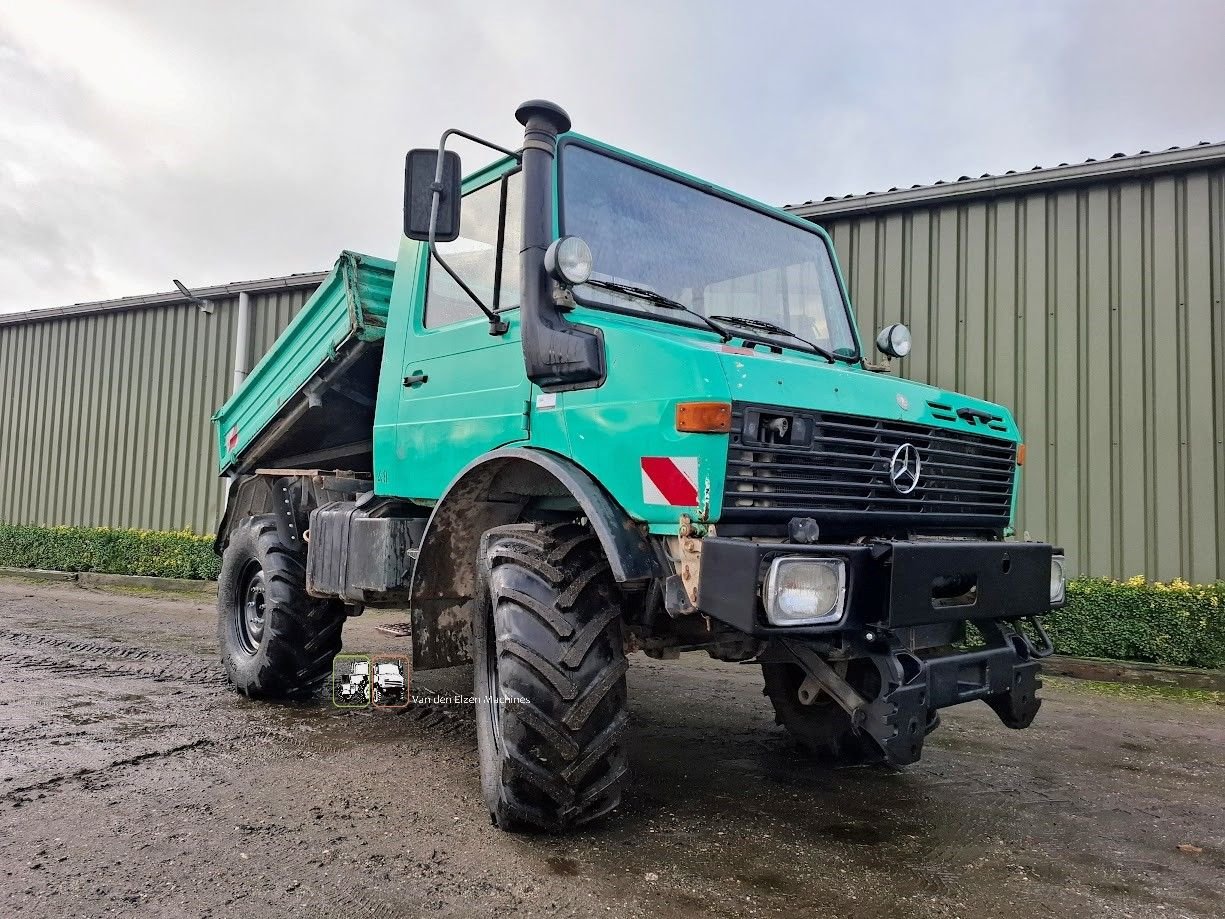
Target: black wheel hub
{"points": [[252, 615]]}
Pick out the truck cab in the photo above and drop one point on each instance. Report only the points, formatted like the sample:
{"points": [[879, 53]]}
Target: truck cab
{"points": [[599, 406]]}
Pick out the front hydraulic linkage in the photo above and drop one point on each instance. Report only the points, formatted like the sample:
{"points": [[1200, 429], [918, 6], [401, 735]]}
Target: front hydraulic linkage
{"points": [[896, 720]]}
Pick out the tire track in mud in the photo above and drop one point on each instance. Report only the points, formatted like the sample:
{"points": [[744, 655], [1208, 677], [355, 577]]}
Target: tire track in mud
{"points": [[54, 654], [88, 657], [427, 709], [18, 795], [317, 731], [249, 733], [13, 738]]}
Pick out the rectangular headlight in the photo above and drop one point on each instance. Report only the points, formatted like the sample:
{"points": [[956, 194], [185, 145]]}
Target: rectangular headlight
{"points": [[800, 590], [1059, 580]]}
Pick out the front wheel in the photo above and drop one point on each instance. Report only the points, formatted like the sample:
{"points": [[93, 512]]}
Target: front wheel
{"points": [[549, 662], [276, 641], [822, 729]]}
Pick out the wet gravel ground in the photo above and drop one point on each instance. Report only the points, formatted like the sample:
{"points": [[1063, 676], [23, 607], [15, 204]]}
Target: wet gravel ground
{"points": [[133, 782]]}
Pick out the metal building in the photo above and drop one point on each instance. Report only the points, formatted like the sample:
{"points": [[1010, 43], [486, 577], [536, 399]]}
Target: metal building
{"points": [[1088, 298], [106, 406]]}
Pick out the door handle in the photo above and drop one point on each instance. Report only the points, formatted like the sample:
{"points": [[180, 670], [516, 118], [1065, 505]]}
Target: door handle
{"points": [[415, 379]]}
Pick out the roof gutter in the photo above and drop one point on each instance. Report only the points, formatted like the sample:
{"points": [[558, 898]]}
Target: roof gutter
{"points": [[307, 281], [1037, 180]]}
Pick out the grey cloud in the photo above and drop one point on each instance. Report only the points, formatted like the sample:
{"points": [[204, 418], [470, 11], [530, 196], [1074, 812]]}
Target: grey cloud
{"points": [[266, 137]]}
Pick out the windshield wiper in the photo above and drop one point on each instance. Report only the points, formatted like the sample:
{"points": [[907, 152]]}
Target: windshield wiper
{"points": [[762, 325], [659, 300]]}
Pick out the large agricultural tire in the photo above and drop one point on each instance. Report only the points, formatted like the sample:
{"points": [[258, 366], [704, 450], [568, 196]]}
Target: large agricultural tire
{"points": [[549, 663], [276, 641], [822, 729]]}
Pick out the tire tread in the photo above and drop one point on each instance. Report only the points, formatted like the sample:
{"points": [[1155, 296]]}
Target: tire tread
{"points": [[559, 644], [304, 631]]}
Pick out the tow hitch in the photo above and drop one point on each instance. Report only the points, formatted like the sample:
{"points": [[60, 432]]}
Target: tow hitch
{"points": [[900, 712]]}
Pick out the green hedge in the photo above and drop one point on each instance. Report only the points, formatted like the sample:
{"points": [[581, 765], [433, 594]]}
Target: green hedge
{"points": [[1172, 623], [143, 552]]}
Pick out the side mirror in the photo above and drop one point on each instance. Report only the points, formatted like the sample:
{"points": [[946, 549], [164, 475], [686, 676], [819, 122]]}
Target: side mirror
{"points": [[894, 340], [420, 167]]}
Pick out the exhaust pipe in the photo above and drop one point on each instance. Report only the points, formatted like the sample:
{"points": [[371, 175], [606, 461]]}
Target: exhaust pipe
{"points": [[557, 354]]}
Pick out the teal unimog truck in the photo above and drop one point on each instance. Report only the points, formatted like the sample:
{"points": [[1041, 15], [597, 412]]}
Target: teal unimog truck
{"points": [[599, 406]]}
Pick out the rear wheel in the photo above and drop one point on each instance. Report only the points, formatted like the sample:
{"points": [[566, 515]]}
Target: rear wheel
{"points": [[276, 641], [549, 663]]}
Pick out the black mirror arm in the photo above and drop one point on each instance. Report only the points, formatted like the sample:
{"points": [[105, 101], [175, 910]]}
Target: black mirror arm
{"points": [[442, 146], [497, 326]]}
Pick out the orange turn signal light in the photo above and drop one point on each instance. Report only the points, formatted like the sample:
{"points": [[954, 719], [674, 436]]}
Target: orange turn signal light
{"points": [[1020, 454], [704, 417]]}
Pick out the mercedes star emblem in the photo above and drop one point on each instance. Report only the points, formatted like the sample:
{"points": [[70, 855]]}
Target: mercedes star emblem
{"points": [[904, 469]]}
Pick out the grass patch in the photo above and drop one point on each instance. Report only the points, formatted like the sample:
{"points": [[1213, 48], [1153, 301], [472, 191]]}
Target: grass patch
{"points": [[1141, 692]]}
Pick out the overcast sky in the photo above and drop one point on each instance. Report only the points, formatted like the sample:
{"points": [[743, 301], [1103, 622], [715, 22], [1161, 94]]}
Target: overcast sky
{"points": [[221, 141]]}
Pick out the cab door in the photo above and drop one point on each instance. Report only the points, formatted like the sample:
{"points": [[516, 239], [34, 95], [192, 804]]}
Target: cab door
{"points": [[464, 392]]}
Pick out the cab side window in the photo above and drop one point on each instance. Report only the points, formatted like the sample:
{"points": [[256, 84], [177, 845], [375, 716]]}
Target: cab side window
{"points": [[485, 255]]}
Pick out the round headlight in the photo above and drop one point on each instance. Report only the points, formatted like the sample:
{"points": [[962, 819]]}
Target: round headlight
{"points": [[894, 340], [568, 260]]}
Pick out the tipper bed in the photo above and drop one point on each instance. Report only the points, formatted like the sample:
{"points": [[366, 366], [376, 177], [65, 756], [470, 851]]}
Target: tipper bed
{"points": [[309, 401]]}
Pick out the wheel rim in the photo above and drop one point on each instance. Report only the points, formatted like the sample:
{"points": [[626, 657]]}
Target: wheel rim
{"points": [[493, 701], [252, 616]]}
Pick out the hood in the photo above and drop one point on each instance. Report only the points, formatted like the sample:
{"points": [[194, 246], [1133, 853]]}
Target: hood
{"points": [[797, 380]]}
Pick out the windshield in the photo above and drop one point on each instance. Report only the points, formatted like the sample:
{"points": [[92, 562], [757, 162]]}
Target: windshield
{"points": [[715, 256]]}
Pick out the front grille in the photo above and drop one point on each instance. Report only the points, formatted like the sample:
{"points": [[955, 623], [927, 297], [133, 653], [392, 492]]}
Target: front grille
{"points": [[836, 467]]}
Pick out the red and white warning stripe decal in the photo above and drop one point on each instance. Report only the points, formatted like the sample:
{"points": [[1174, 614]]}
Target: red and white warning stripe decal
{"points": [[671, 480], [231, 439]]}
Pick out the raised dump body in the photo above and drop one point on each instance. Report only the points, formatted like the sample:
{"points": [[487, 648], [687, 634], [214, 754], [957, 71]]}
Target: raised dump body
{"points": [[310, 399]]}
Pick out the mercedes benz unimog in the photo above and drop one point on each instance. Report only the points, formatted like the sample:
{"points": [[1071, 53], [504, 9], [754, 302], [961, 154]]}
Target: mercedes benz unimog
{"points": [[389, 687], [598, 406]]}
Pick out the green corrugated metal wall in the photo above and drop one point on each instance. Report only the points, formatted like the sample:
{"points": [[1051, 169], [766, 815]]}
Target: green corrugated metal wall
{"points": [[1095, 311], [1093, 308], [105, 415]]}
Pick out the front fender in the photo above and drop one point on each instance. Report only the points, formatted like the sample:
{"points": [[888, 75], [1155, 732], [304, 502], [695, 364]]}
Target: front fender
{"points": [[498, 488]]}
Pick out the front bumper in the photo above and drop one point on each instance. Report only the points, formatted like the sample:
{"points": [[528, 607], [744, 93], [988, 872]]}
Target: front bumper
{"points": [[889, 583], [896, 617]]}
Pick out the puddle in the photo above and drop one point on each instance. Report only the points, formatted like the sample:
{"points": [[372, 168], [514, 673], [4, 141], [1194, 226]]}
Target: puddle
{"points": [[562, 866]]}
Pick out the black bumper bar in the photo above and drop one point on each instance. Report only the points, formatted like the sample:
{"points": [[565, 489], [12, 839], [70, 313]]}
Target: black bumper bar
{"points": [[890, 584]]}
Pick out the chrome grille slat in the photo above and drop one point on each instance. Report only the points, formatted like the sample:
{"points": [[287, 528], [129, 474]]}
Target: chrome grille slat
{"points": [[845, 471]]}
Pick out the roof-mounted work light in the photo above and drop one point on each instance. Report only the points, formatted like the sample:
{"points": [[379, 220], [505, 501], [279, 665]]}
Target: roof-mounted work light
{"points": [[206, 305]]}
